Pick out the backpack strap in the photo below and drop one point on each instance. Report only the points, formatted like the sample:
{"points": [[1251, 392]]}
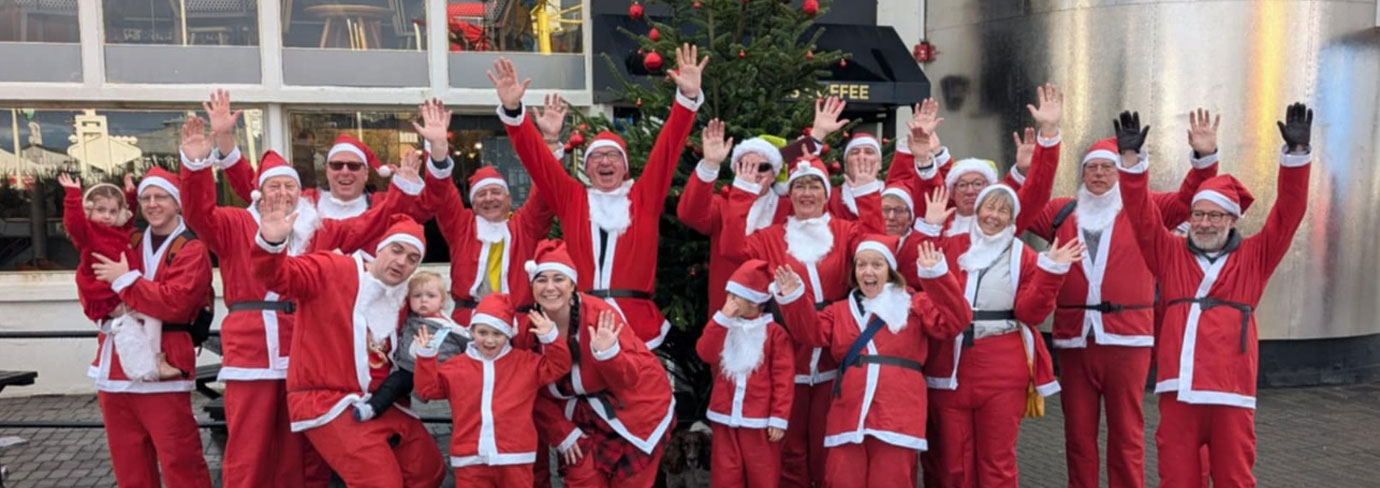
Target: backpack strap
{"points": [[178, 242], [1063, 215]]}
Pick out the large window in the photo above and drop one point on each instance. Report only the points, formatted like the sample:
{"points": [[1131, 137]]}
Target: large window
{"points": [[38, 21], [359, 25], [181, 22], [544, 26], [102, 146]]}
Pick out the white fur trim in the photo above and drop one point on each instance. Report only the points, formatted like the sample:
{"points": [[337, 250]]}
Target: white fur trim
{"points": [[743, 291], [607, 354], [809, 240], [401, 239], [1204, 162], [226, 161], [549, 336], [691, 103], [271, 248], [1101, 154], [125, 280], [706, 172], [196, 164], [492, 321], [1015, 198], [862, 141], [878, 247], [349, 148], [746, 186], [901, 194], [938, 270], [288, 171], [161, 183], [1142, 165], [1294, 160], [759, 146], [1049, 141], [533, 269], [439, 173], [802, 169], [487, 182], [423, 352], [1218, 198], [413, 188], [569, 440], [1049, 265], [927, 229], [787, 299], [970, 165], [603, 143], [514, 121]]}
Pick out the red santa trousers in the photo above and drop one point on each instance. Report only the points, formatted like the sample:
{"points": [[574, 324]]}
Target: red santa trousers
{"points": [[360, 454], [802, 452], [1227, 432], [929, 460], [872, 464], [1090, 377], [261, 449], [979, 421], [744, 458], [494, 476], [585, 474], [146, 431]]}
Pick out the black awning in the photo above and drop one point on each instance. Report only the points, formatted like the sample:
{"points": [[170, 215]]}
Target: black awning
{"points": [[880, 72]]}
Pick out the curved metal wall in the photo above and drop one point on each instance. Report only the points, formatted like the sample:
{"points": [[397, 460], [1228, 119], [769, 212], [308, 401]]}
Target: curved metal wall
{"points": [[1244, 59]]}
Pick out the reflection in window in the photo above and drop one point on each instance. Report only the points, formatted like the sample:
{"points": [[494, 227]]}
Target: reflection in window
{"points": [[182, 22], [100, 145], [544, 26], [355, 24], [38, 21]]}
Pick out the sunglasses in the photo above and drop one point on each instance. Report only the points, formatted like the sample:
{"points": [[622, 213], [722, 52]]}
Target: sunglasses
{"points": [[763, 167], [339, 165]]}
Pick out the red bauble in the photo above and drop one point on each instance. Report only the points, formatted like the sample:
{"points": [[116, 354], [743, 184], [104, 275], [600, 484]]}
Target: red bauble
{"points": [[696, 5], [843, 62], [846, 135], [742, 53], [806, 131], [584, 126], [568, 147], [886, 140], [635, 11], [639, 102], [577, 139], [809, 55], [824, 149], [654, 34], [834, 167], [810, 7], [652, 61]]}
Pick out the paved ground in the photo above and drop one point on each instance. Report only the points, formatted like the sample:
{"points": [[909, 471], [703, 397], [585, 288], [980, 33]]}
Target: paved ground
{"points": [[1323, 436]]}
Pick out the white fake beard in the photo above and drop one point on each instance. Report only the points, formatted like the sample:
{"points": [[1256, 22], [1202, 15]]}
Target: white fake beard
{"points": [[381, 306], [490, 232], [1097, 212], [961, 224], [892, 305], [308, 220], [330, 207], [809, 240], [762, 212], [983, 249], [743, 346], [611, 210]]}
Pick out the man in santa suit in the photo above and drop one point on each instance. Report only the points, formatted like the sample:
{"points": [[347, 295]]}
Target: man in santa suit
{"points": [[612, 226], [1104, 321], [149, 424], [1212, 282], [255, 334]]}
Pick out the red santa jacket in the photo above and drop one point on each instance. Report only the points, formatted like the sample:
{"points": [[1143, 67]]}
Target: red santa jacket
{"points": [[243, 182], [97, 299], [1132, 287], [886, 402], [1033, 191], [173, 292], [255, 341], [469, 257], [1035, 280], [495, 427], [702, 209], [629, 258], [757, 399], [1208, 354], [629, 377]]}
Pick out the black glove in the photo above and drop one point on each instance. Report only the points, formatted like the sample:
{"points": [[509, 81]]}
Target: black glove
{"points": [[1297, 129], [1129, 134]]}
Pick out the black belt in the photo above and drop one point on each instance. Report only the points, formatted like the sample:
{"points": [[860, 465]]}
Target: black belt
{"points": [[1108, 307], [287, 307], [465, 302], [823, 305], [603, 399], [970, 334], [1208, 303], [619, 293], [897, 361]]}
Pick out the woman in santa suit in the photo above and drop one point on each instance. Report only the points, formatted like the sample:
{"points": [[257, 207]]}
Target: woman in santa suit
{"points": [[881, 337], [612, 414], [980, 382], [819, 248]]}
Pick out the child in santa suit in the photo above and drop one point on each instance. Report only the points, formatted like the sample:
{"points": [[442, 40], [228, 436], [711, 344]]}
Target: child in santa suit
{"points": [[754, 381], [100, 222], [426, 296], [494, 439]]}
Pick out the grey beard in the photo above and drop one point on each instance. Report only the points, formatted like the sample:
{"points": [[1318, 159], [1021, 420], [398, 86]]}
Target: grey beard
{"points": [[1210, 244]]}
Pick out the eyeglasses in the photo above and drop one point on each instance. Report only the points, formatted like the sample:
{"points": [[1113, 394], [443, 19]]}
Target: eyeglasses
{"points": [[970, 185], [153, 197], [339, 165], [603, 155], [1211, 217], [895, 211]]}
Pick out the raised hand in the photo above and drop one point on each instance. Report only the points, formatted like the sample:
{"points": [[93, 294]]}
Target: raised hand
{"points": [[689, 68], [505, 79], [862, 173], [918, 141], [926, 114], [716, 147], [275, 225], [937, 210], [552, 118], [541, 324], [786, 280], [411, 168], [1202, 136], [929, 256], [1069, 252], [130, 187], [606, 335], [218, 111], [107, 269], [422, 339], [1297, 128], [69, 181], [435, 123], [1130, 136], [827, 111], [1051, 110], [194, 142], [731, 309], [1025, 150]]}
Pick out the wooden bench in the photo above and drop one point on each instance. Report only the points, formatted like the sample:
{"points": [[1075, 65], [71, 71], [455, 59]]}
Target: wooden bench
{"points": [[17, 378]]}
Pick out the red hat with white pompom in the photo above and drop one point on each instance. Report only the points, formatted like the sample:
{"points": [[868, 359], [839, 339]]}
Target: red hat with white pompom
{"points": [[404, 230], [609, 139], [809, 165], [551, 256], [495, 310], [344, 143], [1227, 192], [486, 176], [752, 281], [272, 165]]}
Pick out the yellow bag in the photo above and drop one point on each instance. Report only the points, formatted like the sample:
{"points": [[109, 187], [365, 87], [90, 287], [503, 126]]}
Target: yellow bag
{"points": [[1034, 402]]}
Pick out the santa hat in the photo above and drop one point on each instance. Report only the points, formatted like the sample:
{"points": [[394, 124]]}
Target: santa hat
{"points": [[551, 256], [609, 139], [1103, 149], [161, 178], [901, 193], [806, 166], [882, 244], [758, 145], [1227, 192], [1015, 200], [486, 176], [985, 167], [404, 230], [273, 165], [344, 143], [751, 281], [862, 139], [495, 310]]}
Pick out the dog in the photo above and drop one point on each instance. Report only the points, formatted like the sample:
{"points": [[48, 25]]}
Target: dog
{"points": [[685, 463]]}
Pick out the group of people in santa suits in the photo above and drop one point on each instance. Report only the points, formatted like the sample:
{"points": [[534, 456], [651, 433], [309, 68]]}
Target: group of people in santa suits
{"points": [[856, 338]]}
